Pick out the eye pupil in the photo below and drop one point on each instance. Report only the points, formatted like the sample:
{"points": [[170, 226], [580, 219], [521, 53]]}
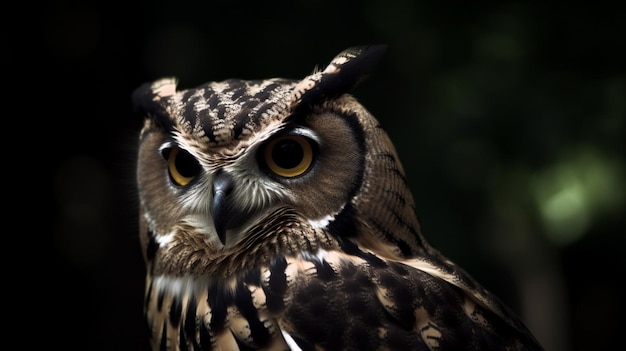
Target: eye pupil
{"points": [[182, 166], [186, 165], [287, 154]]}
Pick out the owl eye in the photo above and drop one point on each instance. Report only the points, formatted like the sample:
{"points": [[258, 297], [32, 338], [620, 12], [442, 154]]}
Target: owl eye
{"points": [[288, 156], [181, 165]]}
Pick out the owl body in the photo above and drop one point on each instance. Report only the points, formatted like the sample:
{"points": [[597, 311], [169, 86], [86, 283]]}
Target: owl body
{"points": [[275, 215]]}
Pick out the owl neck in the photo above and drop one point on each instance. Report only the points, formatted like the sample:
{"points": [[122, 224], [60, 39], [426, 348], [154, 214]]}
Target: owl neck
{"points": [[187, 253], [383, 208]]}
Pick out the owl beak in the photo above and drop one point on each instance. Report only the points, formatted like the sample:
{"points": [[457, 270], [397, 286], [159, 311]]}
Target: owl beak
{"points": [[224, 214]]}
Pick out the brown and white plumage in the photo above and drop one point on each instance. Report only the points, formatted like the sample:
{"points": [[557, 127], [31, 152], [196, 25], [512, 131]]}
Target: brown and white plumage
{"points": [[275, 215]]}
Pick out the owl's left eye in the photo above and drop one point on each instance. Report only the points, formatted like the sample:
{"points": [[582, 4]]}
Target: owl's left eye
{"points": [[181, 165], [289, 155]]}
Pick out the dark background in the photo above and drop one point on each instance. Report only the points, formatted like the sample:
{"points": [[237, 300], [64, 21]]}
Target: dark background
{"points": [[509, 119]]}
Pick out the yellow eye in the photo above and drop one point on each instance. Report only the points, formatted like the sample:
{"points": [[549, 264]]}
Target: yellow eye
{"points": [[288, 156], [182, 166]]}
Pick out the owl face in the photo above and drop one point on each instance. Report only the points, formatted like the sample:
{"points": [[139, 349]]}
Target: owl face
{"points": [[309, 163]]}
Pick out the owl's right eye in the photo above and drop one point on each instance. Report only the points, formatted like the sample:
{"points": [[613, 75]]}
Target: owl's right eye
{"points": [[181, 166]]}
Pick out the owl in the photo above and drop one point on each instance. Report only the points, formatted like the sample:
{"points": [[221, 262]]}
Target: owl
{"points": [[275, 215]]}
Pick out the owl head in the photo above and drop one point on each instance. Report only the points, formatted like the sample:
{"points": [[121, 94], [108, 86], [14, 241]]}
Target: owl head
{"points": [[232, 172]]}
